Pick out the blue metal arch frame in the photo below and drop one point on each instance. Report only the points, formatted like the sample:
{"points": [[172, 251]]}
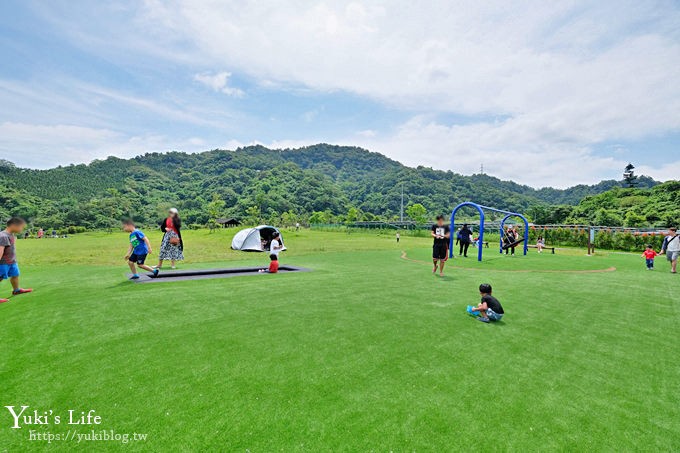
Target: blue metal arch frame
{"points": [[481, 209]]}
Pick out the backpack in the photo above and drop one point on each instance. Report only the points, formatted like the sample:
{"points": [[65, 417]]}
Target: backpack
{"points": [[667, 241]]}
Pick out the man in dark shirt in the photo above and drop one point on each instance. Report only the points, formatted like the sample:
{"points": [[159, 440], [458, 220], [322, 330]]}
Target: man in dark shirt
{"points": [[489, 308], [465, 240], [440, 249]]}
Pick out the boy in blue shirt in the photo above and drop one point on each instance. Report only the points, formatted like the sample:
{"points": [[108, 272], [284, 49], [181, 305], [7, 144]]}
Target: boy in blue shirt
{"points": [[139, 248]]}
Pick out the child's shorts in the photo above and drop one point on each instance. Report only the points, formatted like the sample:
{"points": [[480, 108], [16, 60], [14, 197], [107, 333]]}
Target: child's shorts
{"points": [[8, 271], [139, 259], [492, 315]]}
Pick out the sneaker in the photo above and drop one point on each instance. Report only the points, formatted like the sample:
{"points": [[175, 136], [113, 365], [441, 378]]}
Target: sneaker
{"points": [[134, 277], [155, 272], [483, 319], [16, 292], [2, 301]]}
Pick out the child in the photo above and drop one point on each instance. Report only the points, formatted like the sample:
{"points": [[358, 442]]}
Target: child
{"points": [[649, 254], [540, 243], [274, 249], [8, 258], [139, 248], [489, 309]]}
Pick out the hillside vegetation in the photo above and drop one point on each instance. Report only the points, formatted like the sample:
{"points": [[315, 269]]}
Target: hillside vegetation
{"points": [[323, 183]]}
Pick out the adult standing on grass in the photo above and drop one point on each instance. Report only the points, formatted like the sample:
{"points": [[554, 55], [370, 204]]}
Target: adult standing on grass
{"points": [[671, 248], [172, 246], [440, 249], [465, 235]]}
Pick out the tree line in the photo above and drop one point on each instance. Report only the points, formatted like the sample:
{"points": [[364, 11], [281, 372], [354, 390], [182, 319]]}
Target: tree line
{"points": [[316, 184]]}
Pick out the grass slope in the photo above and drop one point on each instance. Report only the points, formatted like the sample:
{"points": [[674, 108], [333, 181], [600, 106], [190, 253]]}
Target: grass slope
{"points": [[369, 352]]}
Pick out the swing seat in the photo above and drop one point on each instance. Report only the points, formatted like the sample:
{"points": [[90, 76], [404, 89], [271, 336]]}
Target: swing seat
{"points": [[513, 244]]}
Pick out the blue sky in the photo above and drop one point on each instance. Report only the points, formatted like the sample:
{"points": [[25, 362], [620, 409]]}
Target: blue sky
{"points": [[542, 94]]}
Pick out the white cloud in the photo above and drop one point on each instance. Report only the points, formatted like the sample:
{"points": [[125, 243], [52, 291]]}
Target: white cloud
{"points": [[219, 82], [367, 133], [668, 171], [561, 78], [515, 149], [47, 146], [462, 57]]}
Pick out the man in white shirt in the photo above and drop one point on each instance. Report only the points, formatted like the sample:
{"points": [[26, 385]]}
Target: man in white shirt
{"points": [[671, 248]]}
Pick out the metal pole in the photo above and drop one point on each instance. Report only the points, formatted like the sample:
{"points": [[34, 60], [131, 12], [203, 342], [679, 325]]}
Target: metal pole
{"points": [[402, 202]]}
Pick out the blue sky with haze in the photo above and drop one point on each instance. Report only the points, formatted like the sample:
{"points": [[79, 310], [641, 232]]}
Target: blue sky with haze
{"points": [[541, 94]]}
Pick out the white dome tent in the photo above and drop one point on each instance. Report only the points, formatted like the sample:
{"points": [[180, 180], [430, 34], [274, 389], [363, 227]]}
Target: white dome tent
{"points": [[255, 239]]}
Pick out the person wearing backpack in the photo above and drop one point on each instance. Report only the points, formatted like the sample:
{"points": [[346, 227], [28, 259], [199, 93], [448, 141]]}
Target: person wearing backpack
{"points": [[671, 248]]}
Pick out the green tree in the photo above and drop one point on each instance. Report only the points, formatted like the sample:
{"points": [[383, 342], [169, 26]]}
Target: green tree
{"points": [[215, 210], [253, 215], [417, 213], [6, 164], [318, 217], [352, 216], [634, 220], [289, 218], [608, 217], [629, 175]]}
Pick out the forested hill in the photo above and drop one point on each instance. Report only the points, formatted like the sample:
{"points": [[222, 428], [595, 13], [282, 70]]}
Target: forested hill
{"points": [[257, 184]]}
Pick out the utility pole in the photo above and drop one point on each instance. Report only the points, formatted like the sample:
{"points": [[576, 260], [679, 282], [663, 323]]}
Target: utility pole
{"points": [[481, 169], [401, 217]]}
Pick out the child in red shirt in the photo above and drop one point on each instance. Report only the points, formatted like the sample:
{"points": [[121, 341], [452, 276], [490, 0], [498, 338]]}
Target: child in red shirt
{"points": [[649, 254]]}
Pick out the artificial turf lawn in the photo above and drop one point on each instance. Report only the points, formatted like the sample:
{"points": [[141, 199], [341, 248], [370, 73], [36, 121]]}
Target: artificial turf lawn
{"points": [[369, 352]]}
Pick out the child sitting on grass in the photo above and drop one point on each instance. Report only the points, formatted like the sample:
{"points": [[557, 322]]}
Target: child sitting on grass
{"points": [[649, 254], [8, 258], [489, 309], [138, 249]]}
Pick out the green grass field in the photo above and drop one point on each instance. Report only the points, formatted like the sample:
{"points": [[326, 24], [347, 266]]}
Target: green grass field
{"points": [[369, 352]]}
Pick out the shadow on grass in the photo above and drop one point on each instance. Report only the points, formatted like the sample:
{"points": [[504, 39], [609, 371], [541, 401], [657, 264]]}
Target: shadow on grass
{"points": [[122, 284]]}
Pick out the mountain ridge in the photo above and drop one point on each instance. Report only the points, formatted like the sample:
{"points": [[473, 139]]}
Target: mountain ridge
{"points": [[258, 181]]}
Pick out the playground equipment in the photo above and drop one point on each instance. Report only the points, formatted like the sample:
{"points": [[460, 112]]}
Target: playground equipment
{"points": [[201, 274], [481, 209]]}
